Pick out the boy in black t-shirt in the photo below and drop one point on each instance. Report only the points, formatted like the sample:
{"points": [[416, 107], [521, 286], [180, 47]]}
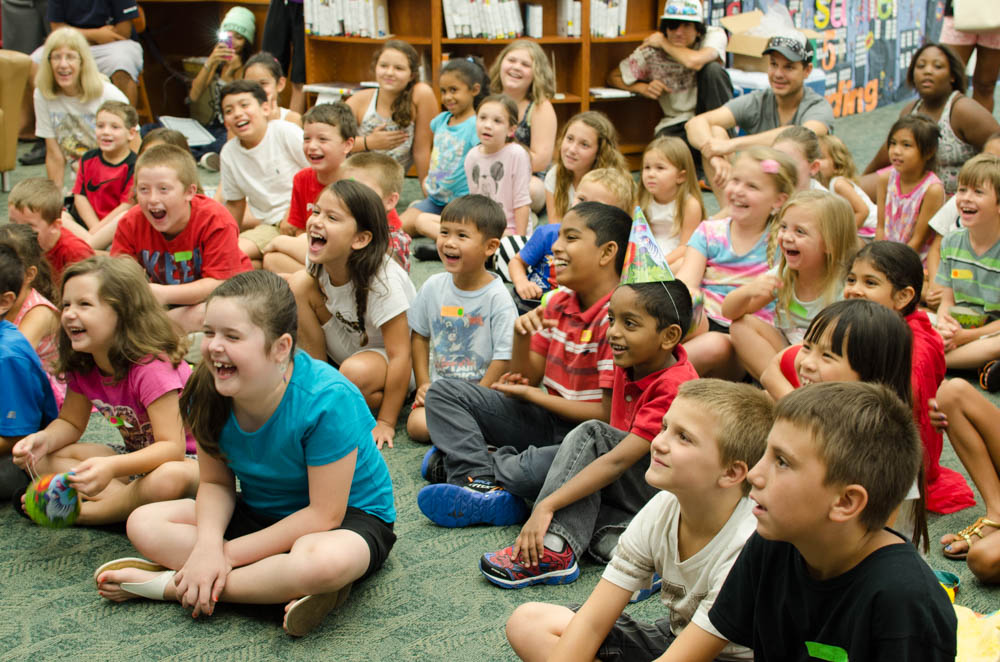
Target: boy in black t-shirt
{"points": [[822, 579]]}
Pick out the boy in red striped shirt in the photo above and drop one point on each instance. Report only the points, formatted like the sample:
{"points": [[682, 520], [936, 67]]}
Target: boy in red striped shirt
{"points": [[562, 346]]}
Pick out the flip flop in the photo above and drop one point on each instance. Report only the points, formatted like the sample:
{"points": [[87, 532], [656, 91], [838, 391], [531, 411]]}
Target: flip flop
{"points": [[128, 562], [310, 611], [974, 529]]}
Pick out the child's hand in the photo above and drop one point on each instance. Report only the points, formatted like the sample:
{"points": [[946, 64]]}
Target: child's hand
{"points": [[528, 290], [382, 138], [529, 546], [220, 54], [383, 433], [91, 476], [418, 399], [764, 285], [513, 378], [722, 170], [519, 390], [200, 581], [532, 322], [938, 419], [932, 295], [30, 449], [947, 327]]}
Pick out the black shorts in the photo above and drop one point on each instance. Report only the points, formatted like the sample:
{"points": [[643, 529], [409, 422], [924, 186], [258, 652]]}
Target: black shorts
{"points": [[715, 326], [284, 31], [376, 532]]}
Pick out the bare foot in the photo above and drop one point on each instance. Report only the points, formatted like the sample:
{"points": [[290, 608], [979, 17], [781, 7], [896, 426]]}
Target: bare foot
{"points": [[955, 545], [109, 584], [289, 605]]}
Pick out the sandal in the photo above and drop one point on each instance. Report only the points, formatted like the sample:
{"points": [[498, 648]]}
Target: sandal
{"points": [[974, 529], [308, 612]]}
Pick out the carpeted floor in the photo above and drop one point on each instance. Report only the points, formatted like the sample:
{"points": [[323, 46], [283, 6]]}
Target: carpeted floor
{"points": [[429, 602]]}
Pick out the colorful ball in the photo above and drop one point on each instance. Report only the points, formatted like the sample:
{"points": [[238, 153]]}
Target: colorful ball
{"points": [[52, 502]]}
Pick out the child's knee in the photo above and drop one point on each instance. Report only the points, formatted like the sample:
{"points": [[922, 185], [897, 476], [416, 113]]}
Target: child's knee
{"points": [[416, 425], [534, 626], [952, 393], [169, 481]]}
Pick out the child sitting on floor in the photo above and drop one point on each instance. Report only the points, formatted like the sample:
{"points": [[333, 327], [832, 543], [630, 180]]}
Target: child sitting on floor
{"points": [[38, 202], [329, 130], [187, 242], [383, 174], [690, 533], [461, 319], [563, 347], [103, 189], [595, 483], [833, 582]]}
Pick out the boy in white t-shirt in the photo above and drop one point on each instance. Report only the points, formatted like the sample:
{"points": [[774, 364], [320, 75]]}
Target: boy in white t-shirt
{"points": [[257, 165], [690, 534]]}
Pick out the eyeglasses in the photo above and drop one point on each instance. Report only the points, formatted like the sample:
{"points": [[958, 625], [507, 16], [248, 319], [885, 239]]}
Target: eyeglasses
{"points": [[64, 57]]}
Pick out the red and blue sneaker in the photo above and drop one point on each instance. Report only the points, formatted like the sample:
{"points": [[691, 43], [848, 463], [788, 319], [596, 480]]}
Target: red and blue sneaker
{"points": [[505, 571], [432, 468], [479, 502]]}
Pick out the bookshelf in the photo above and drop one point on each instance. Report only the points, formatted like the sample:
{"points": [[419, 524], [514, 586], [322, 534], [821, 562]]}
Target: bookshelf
{"points": [[580, 62]]}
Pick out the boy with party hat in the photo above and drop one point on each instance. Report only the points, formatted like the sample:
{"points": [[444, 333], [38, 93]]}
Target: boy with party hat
{"points": [[595, 483]]}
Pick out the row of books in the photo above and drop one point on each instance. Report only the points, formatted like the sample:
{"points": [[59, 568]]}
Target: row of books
{"points": [[607, 17], [354, 18], [482, 19]]}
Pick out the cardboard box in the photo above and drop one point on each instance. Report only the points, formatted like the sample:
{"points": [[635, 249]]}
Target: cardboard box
{"points": [[747, 49]]}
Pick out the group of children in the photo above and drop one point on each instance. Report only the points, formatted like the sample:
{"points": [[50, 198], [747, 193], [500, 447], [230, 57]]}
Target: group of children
{"points": [[580, 394]]}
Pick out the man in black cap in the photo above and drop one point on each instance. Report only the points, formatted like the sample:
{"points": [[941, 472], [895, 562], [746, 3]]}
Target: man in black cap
{"points": [[762, 114]]}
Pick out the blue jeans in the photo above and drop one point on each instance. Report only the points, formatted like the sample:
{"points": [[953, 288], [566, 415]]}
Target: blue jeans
{"points": [[464, 418]]}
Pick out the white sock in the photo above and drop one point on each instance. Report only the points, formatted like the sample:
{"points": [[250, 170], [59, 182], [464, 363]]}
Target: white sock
{"points": [[554, 541]]}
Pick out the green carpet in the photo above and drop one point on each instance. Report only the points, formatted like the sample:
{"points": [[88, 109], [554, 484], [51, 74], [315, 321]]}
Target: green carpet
{"points": [[429, 602]]}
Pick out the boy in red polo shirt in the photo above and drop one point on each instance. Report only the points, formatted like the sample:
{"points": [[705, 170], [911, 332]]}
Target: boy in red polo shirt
{"points": [[38, 202], [187, 243], [563, 347]]}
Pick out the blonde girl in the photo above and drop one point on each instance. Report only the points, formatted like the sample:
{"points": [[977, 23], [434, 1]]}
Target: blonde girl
{"points": [[121, 355], [522, 72], [68, 92], [726, 253], [587, 141], [816, 237], [353, 298], [396, 117], [315, 511], [838, 173], [670, 196]]}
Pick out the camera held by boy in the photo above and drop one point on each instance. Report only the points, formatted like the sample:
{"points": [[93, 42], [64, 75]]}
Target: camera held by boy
{"points": [[186, 242], [38, 202], [461, 319], [563, 347], [690, 533], [834, 582], [596, 483]]}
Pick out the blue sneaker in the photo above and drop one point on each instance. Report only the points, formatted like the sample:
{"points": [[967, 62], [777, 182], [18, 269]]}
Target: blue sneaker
{"points": [[432, 468], [505, 571], [479, 502], [644, 593]]}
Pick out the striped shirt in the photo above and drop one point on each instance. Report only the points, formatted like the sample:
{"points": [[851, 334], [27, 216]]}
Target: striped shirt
{"points": [[578, 362], [725, 270], [974, 279]]}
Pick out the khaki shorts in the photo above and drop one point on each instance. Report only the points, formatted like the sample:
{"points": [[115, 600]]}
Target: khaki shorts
{"points": [[261, 235]]}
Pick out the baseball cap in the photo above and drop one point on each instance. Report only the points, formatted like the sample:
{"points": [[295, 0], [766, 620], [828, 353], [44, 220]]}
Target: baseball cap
{"points": [[792, 45], [683, 10]]}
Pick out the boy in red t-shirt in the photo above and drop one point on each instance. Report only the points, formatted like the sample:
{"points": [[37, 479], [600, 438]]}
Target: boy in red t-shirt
{"points": [[187, 243], [562, 346], [329, 131], [103, 189], [39, 203]]}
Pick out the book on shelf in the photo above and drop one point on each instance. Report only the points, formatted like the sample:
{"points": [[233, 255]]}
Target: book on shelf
{"points": [[353, 18], [607, 18], [568, 18], [610, 93], [533, 21], [482, 19]]}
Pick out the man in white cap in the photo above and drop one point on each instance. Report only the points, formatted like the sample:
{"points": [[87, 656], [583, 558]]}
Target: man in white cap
{"points": [[763, 114], [681, 66]]}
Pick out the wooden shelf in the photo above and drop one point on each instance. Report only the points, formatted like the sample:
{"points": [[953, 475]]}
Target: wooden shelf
{"points": [[414, 40], [541, 40], [630, 38]]}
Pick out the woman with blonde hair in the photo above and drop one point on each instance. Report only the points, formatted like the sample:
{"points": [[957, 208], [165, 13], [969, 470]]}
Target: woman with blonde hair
{"points": [[522, 72], [68, 91]]}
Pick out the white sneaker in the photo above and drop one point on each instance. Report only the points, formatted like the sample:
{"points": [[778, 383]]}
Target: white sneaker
{"points": [[209, 161]]}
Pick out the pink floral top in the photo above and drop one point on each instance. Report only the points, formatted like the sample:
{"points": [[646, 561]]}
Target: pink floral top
{"points": [[902, 210]]}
